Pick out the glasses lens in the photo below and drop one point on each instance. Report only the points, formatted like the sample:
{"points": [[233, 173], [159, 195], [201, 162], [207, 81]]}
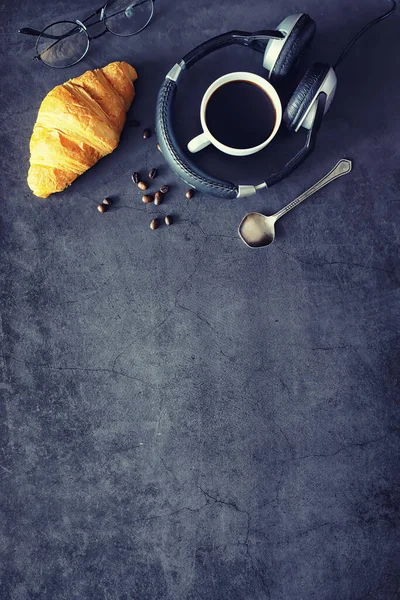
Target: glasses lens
{"points": [[62, 44], [127, 17]]}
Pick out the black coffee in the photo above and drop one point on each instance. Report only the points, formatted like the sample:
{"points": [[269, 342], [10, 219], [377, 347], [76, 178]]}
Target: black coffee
{"points": [[239, 114]]}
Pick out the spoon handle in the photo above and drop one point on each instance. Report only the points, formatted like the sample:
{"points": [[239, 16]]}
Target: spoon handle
{"points": [[342, 167]]}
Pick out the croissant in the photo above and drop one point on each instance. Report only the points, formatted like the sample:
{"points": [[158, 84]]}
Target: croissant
{"points": [[78, 123]]}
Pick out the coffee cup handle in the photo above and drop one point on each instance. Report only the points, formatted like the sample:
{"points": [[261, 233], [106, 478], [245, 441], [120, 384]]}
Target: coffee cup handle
{"points": [[198, 143]]}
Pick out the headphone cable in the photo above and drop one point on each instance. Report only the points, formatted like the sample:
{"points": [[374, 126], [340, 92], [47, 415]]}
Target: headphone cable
{"points": [[363, 30]]}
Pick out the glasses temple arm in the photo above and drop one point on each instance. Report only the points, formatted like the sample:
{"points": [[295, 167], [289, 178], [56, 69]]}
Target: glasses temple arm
{"points": [[36, 32], [97, 12]]}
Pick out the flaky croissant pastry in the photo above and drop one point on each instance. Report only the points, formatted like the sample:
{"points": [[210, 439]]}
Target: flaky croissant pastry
{"points": [[78, 123]]}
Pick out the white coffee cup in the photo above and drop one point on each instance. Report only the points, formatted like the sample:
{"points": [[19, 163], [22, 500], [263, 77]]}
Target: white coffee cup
{"points": [[206, 138]]}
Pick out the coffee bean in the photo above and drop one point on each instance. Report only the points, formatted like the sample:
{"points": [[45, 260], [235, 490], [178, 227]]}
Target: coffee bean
{"points": [[164, 189], [146, 134], [107, 201], [168, 220], [154, 224], [158, 198], [147, 199], [135, 177], [102, 208], [159, 147], [133, 123], [142, 185], [153, 174], [189, 194]]}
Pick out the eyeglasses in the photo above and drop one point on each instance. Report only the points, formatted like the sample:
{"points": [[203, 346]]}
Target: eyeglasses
{"points": [[65, 43]]}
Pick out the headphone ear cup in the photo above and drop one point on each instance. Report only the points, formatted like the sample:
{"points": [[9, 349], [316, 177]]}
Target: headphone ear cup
{"points": [[281, 55], [319, 78]]}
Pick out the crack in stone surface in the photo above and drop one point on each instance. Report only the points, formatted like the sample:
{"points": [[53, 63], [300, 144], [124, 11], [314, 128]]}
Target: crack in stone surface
{"points": [[315, 527], [142, 210], [152, 327], [344, 448], [168, 469], [160, 407], [278, 487], [245, 543], [291, 448], [327, 348], [207, 323], [85, 369], [337, 262], [208, 235], [171, 514], [96, 291], [178, 291]]}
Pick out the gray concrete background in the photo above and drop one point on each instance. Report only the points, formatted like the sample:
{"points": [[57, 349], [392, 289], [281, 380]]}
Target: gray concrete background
{"points": [[182, 417]]}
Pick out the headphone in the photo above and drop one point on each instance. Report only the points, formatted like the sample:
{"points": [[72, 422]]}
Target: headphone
{"points": [[306, 108]]}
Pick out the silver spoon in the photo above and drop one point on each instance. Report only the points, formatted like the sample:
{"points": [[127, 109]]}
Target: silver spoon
{"points": [[257, 230]]}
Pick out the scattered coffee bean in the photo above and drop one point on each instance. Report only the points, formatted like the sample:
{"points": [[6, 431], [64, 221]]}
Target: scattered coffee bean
{"points": [[158, 198], [142, 185], [159, 147], [164, 189], [146, 134], [133, 123], [153, 174], [147, 199], [154, 224], [189, 194], [135, 177], [102, 208], [168, 220], [107, 201]]}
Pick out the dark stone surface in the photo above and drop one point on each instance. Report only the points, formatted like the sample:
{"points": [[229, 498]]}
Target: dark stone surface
{"points": [[182, 417]]}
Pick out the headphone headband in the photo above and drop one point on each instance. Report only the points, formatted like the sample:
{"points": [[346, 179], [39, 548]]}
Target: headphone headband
{"points": [[257, 41], [243, 38]]}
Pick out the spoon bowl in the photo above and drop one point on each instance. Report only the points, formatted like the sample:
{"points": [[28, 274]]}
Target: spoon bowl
{"points": [[257, 230]]}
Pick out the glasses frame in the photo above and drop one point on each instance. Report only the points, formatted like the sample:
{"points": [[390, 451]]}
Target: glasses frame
{"points": [[83, 26]]}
